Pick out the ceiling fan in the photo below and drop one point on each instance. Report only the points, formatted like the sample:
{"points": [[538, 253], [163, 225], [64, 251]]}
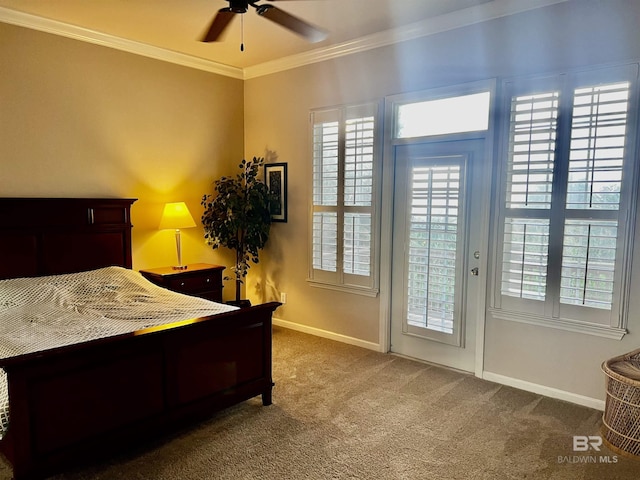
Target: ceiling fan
{"points": [[276, 15]]}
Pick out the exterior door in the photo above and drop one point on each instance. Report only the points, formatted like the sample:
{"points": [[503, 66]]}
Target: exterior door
{"points": [[439, 199]]}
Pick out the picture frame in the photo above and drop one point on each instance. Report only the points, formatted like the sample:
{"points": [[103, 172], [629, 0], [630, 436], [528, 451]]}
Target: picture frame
{"points": [[275, 177]]}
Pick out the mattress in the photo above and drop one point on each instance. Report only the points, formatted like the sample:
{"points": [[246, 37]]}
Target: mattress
{"points": [[43, 313]]}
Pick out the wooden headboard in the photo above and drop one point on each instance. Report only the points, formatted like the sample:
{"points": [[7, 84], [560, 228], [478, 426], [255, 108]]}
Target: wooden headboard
{"points": [[47, 236]]}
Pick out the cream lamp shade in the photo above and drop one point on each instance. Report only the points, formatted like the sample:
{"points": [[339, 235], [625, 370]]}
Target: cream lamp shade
{"points": [[176, 215]]}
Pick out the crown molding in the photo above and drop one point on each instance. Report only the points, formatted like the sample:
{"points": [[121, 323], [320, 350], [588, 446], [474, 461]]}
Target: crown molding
{"points": [[481, 13], [431, 26], [75, 32]]}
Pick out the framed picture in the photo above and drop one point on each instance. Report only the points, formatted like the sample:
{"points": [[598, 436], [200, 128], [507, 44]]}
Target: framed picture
{"points": [[275, 176]]}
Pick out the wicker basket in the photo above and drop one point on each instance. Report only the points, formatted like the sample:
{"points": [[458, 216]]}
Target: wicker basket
{"points": [[621, 418]]}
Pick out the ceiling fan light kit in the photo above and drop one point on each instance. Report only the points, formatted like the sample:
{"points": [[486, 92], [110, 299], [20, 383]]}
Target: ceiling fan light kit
{"points": [[239, 7]]}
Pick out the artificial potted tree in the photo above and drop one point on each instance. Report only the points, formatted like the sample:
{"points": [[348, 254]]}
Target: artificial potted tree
{"points": [[238, 216]]}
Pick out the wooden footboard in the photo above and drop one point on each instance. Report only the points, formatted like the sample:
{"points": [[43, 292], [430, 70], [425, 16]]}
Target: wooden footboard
{"points": [[77, 403]]}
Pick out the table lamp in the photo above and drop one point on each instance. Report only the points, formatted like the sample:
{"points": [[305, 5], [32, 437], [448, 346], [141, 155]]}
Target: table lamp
{"points": [[176, 216]]}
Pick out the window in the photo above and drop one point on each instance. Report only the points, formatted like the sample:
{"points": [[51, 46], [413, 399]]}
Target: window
{"points": [[345, 177], [568, 169], [433, 241], [444, 116]]}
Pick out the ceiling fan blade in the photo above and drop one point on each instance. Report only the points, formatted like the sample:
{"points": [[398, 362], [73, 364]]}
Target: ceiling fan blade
{"points": [[286, 20], [220, 22]]}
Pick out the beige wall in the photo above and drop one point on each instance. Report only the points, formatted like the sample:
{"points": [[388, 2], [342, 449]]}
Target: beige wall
{"points": [[82, 120], [277, 109]]}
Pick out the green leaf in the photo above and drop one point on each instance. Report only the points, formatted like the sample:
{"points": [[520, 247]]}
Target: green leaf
{"points": [[237, 215]]}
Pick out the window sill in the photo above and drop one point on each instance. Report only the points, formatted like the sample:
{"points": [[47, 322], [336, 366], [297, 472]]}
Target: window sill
{"points": [[604, 331], [364, 291]]}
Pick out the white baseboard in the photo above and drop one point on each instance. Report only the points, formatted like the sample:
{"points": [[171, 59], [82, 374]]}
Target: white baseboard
{"points": [[326, 334], [544, 390], [492, 377]]}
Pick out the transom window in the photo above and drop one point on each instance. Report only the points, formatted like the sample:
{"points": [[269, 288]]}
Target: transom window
{"points": [[443, 116]]}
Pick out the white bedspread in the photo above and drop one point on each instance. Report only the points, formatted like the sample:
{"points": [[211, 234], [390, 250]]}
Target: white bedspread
{"points": [[41, 313], [47, 312]]}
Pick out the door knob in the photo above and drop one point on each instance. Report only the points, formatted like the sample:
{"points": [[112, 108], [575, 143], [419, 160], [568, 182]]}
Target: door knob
{"points": [[474, 271]]}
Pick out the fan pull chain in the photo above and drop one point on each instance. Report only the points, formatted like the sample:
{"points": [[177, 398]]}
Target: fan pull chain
{"points": [[242, 33]]}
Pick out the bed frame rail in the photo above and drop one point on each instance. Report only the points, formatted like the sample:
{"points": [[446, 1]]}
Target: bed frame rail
{"points": [[88, 400]]}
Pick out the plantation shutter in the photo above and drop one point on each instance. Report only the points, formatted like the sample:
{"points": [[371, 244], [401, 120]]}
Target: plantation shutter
{"points": [[434, 232], [344, 177], [597, 155], [325, 194], [533, 130], [566, 197]]}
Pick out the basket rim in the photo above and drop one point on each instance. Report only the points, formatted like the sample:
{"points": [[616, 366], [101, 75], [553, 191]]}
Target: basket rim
{"points": [[606, 368]]}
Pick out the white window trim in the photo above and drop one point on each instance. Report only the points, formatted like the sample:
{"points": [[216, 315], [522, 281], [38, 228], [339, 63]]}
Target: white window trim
{"points": [[339, 281], [364, 291], [567, 325], [628, 207]]}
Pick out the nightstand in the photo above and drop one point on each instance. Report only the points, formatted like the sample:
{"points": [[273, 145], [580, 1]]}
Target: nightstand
{"points": [[198, 279]]}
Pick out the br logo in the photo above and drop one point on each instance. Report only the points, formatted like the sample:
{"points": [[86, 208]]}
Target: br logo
{"points": [[582, 443]]}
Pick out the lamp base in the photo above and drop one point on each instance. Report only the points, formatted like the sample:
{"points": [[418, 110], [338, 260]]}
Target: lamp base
{"points": [[180, 266]]}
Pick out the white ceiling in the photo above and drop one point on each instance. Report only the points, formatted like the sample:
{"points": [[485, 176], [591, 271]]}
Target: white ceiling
{"points": [[149, 27]]}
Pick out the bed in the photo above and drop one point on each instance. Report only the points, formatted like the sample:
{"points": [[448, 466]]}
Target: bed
{"points": [[75, 398]]}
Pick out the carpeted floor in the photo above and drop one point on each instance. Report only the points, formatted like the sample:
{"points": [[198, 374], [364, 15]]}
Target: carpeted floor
{"points": [[342, 412]]}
